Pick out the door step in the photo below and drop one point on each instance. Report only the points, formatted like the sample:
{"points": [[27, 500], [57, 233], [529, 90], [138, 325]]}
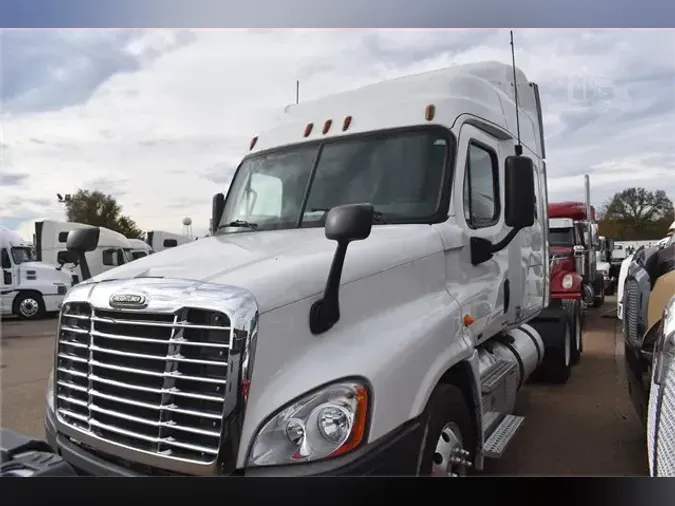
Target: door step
{"points": [[495, 375], [496, 444]]}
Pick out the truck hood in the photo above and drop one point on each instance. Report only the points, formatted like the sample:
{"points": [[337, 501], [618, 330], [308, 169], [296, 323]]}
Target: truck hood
{"points": [[561, 250], [47, 272], [281, 266]]}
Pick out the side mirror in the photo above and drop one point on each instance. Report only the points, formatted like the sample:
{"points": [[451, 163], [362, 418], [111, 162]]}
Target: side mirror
{"points": [[519, 211], [170, 243], [217, 208], [80, 241], [83, 239], [344, 224]]}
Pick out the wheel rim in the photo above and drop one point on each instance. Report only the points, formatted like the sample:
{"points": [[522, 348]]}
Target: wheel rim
{"points": [[450, 458], [28, 308], [568, 346], [578, 332]]}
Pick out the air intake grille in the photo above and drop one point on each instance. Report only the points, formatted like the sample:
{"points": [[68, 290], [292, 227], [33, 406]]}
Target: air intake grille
{"points": [[154, 382], [631, 310]]}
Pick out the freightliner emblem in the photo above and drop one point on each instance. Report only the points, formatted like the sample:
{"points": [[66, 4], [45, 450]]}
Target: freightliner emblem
{"points": [[128, 300]]}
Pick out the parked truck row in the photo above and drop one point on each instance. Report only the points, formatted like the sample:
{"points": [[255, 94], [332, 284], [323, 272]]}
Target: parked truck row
{"points": [[377, 288], [37, 275]]}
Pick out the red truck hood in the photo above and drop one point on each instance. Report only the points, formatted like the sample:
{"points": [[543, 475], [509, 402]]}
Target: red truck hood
{"points": [[562, 266]]}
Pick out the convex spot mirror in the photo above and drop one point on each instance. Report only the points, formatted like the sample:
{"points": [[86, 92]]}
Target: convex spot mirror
{"points": [[351, 222]]}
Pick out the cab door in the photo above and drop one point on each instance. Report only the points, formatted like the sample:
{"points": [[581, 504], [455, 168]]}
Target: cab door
{"points": [[484, 290]]}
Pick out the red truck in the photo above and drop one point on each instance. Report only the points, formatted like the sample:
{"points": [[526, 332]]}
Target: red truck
{"points": [[575, 282]]}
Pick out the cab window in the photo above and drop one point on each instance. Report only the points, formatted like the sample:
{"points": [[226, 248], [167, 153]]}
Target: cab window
{"points": [[481, 187]]}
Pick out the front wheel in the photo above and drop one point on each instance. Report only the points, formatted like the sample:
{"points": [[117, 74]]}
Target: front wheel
{"points": [[29, 306], [449, 436]]}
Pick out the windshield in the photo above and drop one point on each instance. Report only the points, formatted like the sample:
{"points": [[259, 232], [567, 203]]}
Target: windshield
{"points": [[23, 254], [561, 237], [400, 173]]}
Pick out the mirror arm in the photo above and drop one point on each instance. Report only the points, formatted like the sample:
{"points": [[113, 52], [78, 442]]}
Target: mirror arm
{"points": [[84, 265], [325, 312], [506, 241]]}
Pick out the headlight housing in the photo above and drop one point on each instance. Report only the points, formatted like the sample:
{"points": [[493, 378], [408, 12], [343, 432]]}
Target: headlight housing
{"points": [[325, 423], [567, 281], [664, 347]]}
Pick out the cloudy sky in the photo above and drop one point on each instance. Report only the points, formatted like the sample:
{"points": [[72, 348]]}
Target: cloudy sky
{"points": [[159, 119]]}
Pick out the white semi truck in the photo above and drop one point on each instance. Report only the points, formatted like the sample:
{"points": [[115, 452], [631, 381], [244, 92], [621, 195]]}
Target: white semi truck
{"points": [[374, 297], [113, 249], [160, 240], [29, 288]]}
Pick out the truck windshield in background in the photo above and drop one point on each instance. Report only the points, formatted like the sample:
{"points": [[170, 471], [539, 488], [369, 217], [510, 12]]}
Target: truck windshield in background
{"points": [[23, 254], [400, 173], [561, 237]]}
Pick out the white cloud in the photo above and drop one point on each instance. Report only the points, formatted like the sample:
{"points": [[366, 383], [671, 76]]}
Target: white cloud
{"points": [[163, 137]]}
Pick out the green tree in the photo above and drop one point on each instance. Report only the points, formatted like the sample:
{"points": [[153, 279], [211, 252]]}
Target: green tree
{"points": [[100, 210], [637, 214]]}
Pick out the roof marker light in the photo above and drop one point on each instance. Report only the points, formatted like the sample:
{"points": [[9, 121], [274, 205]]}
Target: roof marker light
{"points": [[326, 126], [308, 129], [430, 112], [346, 123]]}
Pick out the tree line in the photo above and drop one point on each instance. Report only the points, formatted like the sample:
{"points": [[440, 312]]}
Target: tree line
{"points": [[636, 214], [101, 210], [633, 214]]}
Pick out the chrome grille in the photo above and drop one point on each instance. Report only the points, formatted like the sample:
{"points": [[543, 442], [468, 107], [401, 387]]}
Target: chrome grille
{"points": [[155, 382], [631, 310], [661, 426]]}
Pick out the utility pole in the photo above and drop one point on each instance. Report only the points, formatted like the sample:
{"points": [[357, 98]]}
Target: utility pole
{"points": [[297, 92]]}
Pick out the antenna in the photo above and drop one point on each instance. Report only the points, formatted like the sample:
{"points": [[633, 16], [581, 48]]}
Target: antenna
{"points": [[297, 92], [519, 146]]}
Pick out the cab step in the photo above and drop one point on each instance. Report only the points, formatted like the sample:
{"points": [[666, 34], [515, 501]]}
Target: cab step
{"points": [[496, 444], [496, 375]]}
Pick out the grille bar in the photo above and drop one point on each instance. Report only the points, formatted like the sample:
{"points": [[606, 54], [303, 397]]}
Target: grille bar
{"points": [[151, 381]]}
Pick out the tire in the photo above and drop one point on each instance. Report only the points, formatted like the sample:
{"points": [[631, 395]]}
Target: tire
{"points": [[599, 299], [29, 306], [557, 365], [573, 310], [449, 433]]}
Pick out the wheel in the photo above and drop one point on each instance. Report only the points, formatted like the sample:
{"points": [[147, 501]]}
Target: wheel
{"points": [[557, 364], [573, 310], [29, 306], [599, 299], [449, 435]]}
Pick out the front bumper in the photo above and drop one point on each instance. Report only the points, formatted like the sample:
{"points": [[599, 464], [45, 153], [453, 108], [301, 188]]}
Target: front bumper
{"points": [[395, 454]]}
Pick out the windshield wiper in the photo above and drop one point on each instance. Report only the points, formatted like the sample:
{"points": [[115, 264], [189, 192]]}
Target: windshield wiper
{"points": [[378, 217], [240, 224]]}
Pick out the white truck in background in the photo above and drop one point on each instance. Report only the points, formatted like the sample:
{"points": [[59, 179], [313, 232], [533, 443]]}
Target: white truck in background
{"points": [[30, 288], [138, 248], [375, 295], [114, 249], [160, 240]]}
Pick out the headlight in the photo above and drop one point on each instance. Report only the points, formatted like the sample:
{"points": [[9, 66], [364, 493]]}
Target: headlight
{"points": [[50, 390], [664, 348], [322, 424], [567, 281]]}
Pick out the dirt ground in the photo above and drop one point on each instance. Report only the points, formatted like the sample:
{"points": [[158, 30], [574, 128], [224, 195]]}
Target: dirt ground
{"points": [[586, 427]]}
